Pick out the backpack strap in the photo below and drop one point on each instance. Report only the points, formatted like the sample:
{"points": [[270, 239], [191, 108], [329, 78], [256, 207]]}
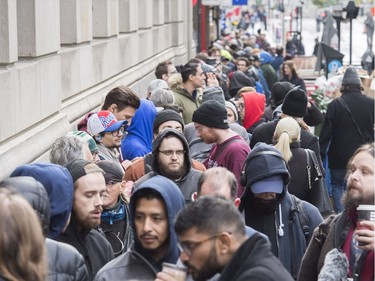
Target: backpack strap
{"points": [[148, 162], [343, 103], [302, 215]]}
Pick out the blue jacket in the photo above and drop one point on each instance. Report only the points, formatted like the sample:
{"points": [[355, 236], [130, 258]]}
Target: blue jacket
{"points": [[138, 141]]}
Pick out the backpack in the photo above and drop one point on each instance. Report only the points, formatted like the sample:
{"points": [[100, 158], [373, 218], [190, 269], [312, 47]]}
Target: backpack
{"points": [[303, 218]]}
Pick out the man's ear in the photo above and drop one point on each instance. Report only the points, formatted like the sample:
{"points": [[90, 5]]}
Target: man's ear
{"points": [[225, 242], [123, 186], [164, 77], [237, 202], [194, 196], [112, 108]]}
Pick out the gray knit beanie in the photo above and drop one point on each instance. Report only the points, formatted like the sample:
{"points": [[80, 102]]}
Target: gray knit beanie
{"points": [[232, 107], [213, 93], [351, 77]]}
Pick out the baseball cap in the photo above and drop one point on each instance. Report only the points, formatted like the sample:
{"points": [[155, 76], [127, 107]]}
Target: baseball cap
{"points": [[271, 184], [112, 169], [79, 168], [103, 121]]}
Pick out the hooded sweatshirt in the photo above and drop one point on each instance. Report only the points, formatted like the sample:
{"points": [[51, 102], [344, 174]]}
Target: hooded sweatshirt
{"points": [[59, 185], [64, 261], [281, 225], [138, 141], [189, 181], [254, 109], [137, 264]]}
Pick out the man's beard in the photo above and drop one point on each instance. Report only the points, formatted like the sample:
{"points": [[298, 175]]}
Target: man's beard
{"points": [[210, 268], [172, 174], [351, 203]]}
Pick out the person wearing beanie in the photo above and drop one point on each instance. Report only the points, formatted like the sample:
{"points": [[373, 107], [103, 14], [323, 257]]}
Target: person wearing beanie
{"points": [[232, 112], [238, 80], [213, 93], [229, 149], [269, 208], [251, 109], [278, 93], [349, 123], [115, 220], [165, 119], [294, 105]]}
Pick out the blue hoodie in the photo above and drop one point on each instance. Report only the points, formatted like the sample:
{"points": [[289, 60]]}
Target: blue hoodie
{"points": [[59, 185], [138, 141], [174, 202]]}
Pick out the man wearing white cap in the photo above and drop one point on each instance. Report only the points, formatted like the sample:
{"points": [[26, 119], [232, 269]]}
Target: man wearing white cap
{"points": [[108, 133]]}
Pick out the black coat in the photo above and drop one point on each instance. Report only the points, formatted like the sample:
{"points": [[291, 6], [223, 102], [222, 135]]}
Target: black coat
{"points": [[339, 135], [264, 133], [299, 183], [255, 261], [92, 245]]}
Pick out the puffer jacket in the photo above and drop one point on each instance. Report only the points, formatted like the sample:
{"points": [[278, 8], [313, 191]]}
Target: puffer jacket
{"points": [[65, 263]]}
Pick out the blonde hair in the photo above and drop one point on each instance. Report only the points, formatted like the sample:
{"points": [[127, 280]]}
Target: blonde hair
{"points": [[287, 131], [246, 90], [22, 251]]}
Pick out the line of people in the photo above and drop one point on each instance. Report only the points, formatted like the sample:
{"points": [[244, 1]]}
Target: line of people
{"points": [[129, 190]]}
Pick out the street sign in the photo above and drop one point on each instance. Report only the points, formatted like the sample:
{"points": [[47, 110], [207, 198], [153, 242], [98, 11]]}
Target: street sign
{"points": [[211, 2], [225, 4], [239, 2]]}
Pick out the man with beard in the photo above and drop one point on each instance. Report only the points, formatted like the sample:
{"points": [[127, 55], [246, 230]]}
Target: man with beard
{"points": [[212, 239], [107, 133], [229, 149], [269, 208], [89, 187], [341, 231], [171, 159], [153, 206]]}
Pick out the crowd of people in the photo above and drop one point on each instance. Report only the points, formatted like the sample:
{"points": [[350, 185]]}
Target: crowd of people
{"points": [[210, 173]]}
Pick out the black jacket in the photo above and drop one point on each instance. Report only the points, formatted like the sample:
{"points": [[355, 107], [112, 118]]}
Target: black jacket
{"points": [[299, 182], [339, 135], [92, 245], [255, 261], [264, 133]]}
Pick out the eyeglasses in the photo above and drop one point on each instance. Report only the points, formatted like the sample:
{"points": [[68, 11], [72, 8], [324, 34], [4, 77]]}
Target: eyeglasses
{"points": [[118, 132], [172, 152], [241, 106], [189, 246]]}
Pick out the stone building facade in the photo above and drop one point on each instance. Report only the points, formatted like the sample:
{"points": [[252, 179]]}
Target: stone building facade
{"points": [[59, 58]]}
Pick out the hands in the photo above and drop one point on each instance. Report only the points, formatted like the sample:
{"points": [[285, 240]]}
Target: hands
{"points": [[211, 79], [366, 235]]}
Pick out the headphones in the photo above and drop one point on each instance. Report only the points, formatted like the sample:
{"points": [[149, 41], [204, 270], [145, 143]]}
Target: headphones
{"points": [[250, 156]]}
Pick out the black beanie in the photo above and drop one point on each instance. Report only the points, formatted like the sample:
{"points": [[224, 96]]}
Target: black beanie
{"points": [[164, 116], [211, 114], [279, 91], [351, 77], [295, 103]]}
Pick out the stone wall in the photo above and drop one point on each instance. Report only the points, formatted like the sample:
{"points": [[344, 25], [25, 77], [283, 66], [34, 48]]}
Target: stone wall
{"points": [[58, 59]]}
